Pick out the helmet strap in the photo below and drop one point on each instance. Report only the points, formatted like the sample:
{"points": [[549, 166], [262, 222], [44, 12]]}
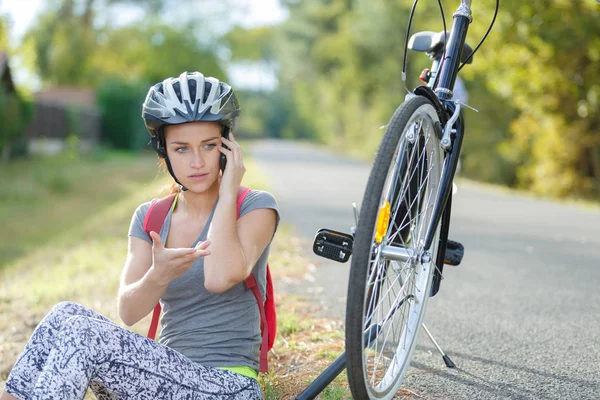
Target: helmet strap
{"points": [[159, 146], [158, 143], [183, 188]]}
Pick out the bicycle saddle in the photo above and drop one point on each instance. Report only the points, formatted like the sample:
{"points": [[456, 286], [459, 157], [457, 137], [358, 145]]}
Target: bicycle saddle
{"points": [[433, 42]]}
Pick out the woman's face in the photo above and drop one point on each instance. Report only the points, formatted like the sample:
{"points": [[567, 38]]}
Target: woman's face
{"points": [[193, 150]]}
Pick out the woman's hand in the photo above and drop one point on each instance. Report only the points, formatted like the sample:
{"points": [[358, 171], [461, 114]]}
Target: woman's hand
{"points": [[235, 169], [168, 264]]}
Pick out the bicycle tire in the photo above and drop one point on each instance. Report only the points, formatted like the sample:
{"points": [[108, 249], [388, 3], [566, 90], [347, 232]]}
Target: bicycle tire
{"points": [[395, 159]]}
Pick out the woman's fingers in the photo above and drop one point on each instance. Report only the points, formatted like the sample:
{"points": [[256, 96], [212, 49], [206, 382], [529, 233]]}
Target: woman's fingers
{"points": [[202, 249], [228, 154], [203, 245], [187, 255], [185, 263], [200, 253], [178, 253], [235, 149], [173, 254]]}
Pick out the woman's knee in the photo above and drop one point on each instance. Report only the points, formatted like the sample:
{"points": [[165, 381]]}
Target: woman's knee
{"points": [[78, 323], [68, 308], [61, 312]]}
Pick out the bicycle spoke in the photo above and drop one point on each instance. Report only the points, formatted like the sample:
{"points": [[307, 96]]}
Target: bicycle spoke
{"points": [[398, 158], [387, 334], [377, 307], [397, 301], [399, 229], [402, 197]]}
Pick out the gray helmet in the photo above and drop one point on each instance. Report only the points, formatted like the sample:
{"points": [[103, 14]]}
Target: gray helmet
{"points": [[190, 97]]}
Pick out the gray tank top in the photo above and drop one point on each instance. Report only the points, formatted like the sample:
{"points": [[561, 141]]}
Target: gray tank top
{"points": [[215, 330]]}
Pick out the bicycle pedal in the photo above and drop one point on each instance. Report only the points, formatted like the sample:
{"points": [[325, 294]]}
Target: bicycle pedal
{"points": [[454, 253], [333, 245]]}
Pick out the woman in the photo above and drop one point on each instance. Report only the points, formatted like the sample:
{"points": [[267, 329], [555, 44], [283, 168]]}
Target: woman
{"points": [[195, 266]]}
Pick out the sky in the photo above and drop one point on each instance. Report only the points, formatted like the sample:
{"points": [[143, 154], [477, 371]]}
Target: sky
{"points": [[22, 14]]}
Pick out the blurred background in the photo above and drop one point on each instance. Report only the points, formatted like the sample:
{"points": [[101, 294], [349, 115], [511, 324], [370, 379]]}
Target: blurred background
{"points": [[75, 163], [326, 71]]}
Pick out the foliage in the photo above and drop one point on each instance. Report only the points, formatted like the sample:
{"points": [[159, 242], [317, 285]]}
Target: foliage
{"points": [[544, 58], [271, 114], [3, 33], [121, 105], [339, 64], [250, 44], [534, 81], [15, 114], [152, 53], [73, 44]]}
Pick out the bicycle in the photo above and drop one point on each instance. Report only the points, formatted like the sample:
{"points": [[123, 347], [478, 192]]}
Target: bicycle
{"points": [[401, 243]]}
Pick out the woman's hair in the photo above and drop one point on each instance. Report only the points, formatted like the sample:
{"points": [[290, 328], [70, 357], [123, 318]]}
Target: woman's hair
{"points": [[173, 187]]}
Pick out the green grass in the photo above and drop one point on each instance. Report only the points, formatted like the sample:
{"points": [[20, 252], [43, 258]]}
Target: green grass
{"points": [[42, 198]]}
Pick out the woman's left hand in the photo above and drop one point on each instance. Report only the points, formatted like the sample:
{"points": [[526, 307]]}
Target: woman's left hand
{"points": [[234, 170]]}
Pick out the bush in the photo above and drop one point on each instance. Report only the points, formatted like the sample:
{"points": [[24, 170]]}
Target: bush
{"points": [[15, 114], [120, 102]]}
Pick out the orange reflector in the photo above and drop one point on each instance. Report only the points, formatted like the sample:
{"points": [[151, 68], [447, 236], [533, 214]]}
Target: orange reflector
{"points": [[383, 220]]}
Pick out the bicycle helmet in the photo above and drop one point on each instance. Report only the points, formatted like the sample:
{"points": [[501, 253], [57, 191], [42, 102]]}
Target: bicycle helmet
{"points": [[187, 98]]}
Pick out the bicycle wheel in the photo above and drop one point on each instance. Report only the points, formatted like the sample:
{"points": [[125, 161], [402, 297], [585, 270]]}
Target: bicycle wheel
{"points": [[388, 297]]}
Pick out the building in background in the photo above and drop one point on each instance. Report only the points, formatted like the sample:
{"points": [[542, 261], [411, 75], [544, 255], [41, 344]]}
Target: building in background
{"points": [[61, 113]]}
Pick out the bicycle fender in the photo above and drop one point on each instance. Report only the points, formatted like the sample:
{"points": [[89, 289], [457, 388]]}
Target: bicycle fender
{"points": [[426, 91]]}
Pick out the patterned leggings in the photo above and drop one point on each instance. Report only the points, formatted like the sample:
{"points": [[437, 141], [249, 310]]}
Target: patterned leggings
{"points": [[74, 347]]}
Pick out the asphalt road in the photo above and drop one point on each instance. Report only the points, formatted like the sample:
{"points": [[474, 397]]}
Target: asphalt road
{"points": [[520, 316]]}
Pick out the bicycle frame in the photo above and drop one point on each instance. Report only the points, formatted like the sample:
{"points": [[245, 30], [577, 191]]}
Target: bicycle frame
{"points": [[449, 111], [456, 41]]}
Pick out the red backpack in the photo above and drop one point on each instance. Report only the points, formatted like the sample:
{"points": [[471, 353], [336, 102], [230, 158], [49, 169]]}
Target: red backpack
{"points": [[268, 319]]}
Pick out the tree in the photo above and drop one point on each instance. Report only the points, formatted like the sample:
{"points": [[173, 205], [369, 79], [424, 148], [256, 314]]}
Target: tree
{"points": [[76, 43], [3, 33], [544, 57], [340, 60], [152, 53], [15, 115]]}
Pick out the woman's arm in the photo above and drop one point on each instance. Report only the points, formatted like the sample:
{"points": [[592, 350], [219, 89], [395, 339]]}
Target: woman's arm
{"points": [[235, 246], [138, 292], [148, 271]]}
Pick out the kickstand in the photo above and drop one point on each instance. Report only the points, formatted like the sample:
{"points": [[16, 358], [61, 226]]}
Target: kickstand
{"points": [[447, 359]]}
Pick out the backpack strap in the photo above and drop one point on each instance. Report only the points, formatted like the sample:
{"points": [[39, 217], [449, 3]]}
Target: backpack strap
{"points": [[270, 312], [241, 196], [155, 218], [251, 284], [264, 347]]}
